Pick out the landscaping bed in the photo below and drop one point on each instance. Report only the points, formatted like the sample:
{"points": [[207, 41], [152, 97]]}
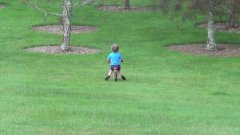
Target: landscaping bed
{"points": [[223, 50]]}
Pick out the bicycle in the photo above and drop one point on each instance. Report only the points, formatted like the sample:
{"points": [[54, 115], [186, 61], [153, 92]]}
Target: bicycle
{"points": [[115, 71]]}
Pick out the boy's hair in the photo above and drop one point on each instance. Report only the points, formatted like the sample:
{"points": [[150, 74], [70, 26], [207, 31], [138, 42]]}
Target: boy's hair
{"points": [[115, 48]]}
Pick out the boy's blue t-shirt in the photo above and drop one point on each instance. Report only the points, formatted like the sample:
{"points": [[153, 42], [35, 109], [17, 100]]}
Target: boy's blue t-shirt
{"points": [[115, 58]]}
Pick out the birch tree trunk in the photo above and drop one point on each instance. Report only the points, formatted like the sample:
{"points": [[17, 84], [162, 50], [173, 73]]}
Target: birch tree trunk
{"points": [[67, 9], [126, 4], [211, 45]]}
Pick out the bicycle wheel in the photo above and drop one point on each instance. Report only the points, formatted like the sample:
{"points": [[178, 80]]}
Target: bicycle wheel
{"points": [[115, 75]]}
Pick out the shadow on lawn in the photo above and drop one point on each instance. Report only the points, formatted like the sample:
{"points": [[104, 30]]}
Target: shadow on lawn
{"points": [[220, 94]]}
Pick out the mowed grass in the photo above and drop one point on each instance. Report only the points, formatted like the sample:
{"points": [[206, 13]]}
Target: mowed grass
{"points": [[166, 92]]}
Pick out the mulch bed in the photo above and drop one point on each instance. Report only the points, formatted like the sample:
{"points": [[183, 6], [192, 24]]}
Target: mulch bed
{"points": [[224, 50], [57, 29], [57, 50], [120, 9], [222, 27], [1, 6]]}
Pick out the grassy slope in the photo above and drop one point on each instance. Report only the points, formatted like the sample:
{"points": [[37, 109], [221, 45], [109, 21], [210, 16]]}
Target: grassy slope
{"points": [[165, 92]]}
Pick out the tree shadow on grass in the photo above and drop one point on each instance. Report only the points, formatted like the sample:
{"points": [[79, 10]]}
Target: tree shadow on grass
{"points": [[57, 29], [219, 93], [222, 27], [121, 9]]}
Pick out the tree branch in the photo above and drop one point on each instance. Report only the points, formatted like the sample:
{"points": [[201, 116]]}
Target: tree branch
{"points": [[46, 12], [83, 2], [35, 5]]}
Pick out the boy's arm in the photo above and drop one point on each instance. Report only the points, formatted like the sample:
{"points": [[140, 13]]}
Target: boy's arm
{"points": [[121, 58], [108, 59]]}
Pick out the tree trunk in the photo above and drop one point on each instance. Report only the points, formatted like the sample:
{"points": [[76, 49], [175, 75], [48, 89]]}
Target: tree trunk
{"points": [[67, 8], [126, 4], [232, 18], [211, 45]]}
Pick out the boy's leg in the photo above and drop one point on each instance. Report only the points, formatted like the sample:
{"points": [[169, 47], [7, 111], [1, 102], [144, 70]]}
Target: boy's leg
{"points": [[109, 74], [122, 75]]}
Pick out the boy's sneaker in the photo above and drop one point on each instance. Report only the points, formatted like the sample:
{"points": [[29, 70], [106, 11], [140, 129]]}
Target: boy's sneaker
{"points": [[123, 77], [107, 78]]}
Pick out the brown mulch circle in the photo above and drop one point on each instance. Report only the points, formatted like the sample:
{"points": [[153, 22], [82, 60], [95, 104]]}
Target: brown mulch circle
{"points": [[224, 50], [57, 29], [121, 9], [223, 27], [57, 50]]}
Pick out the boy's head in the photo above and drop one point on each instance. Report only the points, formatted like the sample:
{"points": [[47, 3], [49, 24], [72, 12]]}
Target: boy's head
{"points": [[115, 48]]}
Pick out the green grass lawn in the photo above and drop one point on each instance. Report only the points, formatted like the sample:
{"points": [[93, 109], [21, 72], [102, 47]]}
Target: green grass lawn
{"points": [[166, 92]]}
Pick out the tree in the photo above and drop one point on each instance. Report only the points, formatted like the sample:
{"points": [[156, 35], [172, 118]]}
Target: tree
{"points": [[126, 4], [199, 6], [211, 44], [233, 12], [65, 16]]}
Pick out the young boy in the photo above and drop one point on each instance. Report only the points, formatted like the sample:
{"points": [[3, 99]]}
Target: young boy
{"points": [[115, 59]]}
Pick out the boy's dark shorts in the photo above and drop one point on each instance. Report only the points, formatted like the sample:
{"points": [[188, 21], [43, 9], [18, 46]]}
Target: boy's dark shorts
{"points": [[115, 66]]}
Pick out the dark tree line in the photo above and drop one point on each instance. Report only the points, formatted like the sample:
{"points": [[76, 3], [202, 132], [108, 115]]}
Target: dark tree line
{"points": [[211, 8], [233, 12]]}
